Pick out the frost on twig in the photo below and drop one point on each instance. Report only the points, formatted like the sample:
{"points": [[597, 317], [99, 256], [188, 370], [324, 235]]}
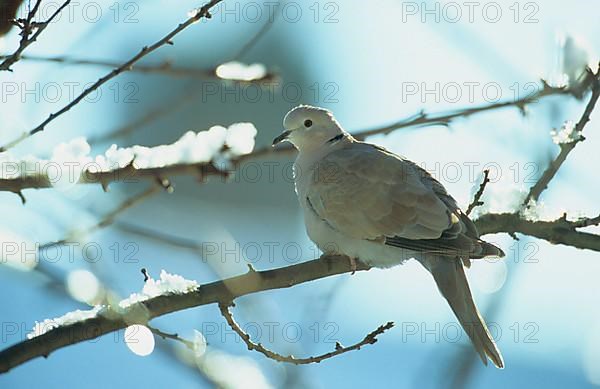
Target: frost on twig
{"points": [[567, 139], [71, 162], [166, 284], [128, 309], [44, 326], [566, 134]]}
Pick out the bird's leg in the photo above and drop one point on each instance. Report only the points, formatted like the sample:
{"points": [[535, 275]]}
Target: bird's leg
{"points": [[353, 265]]}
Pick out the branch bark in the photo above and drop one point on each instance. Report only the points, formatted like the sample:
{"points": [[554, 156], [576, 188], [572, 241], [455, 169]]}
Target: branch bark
{"points": [[371, 338], [559, 231], [27, 35], [219, 292]]}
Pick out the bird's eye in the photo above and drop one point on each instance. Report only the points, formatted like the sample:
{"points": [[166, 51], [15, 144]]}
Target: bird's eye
{"points": [[307, 123]]}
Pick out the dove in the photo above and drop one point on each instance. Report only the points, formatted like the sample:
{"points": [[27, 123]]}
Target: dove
{"points": [[371, 205]]}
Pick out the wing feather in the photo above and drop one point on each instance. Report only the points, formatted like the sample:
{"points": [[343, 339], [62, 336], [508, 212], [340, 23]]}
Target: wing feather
{"points": [[366, 192]]}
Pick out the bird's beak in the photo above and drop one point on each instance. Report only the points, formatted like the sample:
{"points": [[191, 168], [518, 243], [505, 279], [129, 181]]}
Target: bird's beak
{"points": [[281, 137]]}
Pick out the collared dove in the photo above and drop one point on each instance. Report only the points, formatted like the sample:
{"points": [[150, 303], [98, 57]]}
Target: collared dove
{"points": [[374, 206]]}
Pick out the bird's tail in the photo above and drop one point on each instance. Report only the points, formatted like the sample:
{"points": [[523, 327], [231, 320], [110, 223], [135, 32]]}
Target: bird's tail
{"points": [[449, 275]]}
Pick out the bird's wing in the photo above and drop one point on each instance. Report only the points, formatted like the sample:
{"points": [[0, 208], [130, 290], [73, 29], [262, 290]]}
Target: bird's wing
{"points": [[366, 192]]}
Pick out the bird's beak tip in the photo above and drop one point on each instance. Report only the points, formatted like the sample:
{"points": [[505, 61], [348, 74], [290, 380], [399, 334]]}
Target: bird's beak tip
{"points": [[281, 138]]}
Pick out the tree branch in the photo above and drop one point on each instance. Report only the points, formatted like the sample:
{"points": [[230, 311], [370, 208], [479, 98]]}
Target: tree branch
{"points": [[127, 174], [200, 13], [477, 198], [27, 25], [444, 119], [107, 219], [187, 343], [565, 148], [559, 231], [223, 292], [165, 68], [371, 338]]}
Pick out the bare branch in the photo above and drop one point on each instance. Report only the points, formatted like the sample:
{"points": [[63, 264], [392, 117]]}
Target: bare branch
{"points": [[200, 13], [223, 292], [259, 34], [107, 220], [371, 338], [477, 198], [559, 231], [565, 148], [187, 343], [27, 26], [166, 68], [444, 119]]}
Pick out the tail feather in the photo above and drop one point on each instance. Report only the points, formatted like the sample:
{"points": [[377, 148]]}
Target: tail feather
{"points": [[449, 275], [491, 250]]}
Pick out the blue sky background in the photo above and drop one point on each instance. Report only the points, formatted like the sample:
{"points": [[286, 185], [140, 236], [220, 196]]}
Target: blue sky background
{"points": [[543, 298]]}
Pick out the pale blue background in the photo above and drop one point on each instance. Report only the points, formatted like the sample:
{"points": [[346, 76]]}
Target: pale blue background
{"points": [[368, 53]]}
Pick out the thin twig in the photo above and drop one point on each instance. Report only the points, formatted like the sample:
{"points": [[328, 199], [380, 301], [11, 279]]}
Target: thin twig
{"points": [[444, 119], [565, 148], [187, 343], [27, 27], [371, 338], [259, 34], [559, 231], [477, 198], [200, 13], [107, 220], [165, 68]]}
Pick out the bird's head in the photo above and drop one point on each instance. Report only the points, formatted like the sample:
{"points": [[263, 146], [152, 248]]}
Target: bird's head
{"points": [[308, 127]]}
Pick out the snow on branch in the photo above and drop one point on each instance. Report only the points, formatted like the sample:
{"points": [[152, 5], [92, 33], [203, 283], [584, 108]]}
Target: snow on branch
{"points": [[170, 294], [201, 153], [567, 140], [559, 231]]}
